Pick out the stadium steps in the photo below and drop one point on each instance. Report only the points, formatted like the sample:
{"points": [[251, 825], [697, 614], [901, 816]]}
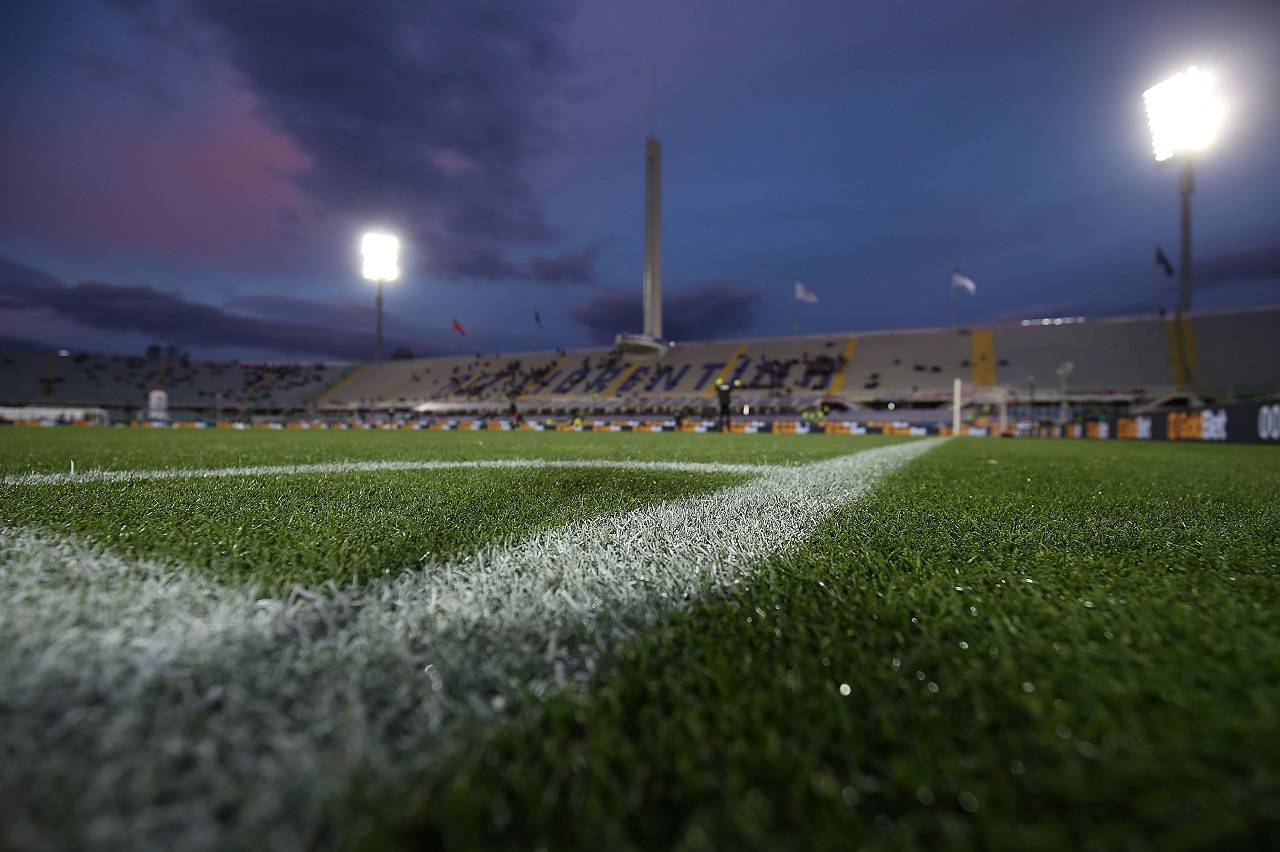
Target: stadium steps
{"points": [[1182, 337], [1238, 353], [1121, 356], [322, 395], [982, 357], [627, 372], [158, 380], [50, 376], [253, 388], [404, 387], [549, 371], [837, 381], [726, 372], [1231, 353], [478, 374]]}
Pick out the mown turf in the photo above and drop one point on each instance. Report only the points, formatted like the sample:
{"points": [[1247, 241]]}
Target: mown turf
{"points": [[308, 529], [1046, 646], [53, 450]]}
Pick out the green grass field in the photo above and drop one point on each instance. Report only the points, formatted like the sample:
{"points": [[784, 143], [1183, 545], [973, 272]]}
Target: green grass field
{"points": [[712, 641]]}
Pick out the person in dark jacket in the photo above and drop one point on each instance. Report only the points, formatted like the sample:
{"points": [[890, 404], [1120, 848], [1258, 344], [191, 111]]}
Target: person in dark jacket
{"points": [[724, 392]]}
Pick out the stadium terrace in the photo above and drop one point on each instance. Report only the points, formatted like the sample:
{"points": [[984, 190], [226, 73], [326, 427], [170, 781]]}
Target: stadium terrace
{"points": [[1119, 369]]}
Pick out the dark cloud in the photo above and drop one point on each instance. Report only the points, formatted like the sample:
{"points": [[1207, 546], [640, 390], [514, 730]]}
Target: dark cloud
{"points": [[705, 311], [575, 267], [171, 318], [424, 116], [1250, 264], [22, 344], [12, 271], [1259, 263], [315, 311]]}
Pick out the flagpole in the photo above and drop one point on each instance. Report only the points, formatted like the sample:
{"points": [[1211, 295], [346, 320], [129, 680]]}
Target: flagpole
{"points": [[951, 304], [795, 315]]}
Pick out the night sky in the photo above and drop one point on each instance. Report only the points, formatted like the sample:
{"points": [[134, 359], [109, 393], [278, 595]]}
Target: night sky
{"points": [[198, 173]]}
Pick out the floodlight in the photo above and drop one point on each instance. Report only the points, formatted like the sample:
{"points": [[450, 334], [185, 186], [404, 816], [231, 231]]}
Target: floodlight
{"points": [[380, 257], [1184, 112], [380, 263]]}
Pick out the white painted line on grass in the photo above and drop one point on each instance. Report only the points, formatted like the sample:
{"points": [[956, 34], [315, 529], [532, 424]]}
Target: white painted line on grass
{"points": [[147, 706], [85, 476]]}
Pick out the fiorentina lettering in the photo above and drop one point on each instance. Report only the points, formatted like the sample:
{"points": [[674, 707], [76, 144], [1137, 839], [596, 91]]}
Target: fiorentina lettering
{"points": [[708, 370]]}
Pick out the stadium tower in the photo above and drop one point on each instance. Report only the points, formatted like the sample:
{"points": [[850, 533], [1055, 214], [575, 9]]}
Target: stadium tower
{"points": [[649, 342], [652, 239]]}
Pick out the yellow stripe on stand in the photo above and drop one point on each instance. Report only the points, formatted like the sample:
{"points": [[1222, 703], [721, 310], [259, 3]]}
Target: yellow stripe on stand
{"points": [[617, 383], [1181, 337], [344, 380], [728, 368], [837, 381], [475, 377], [249, 391], [982, 357], [399, 389]]}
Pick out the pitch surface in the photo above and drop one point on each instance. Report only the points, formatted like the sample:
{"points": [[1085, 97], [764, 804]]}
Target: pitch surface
{"points": [[755, 641]]}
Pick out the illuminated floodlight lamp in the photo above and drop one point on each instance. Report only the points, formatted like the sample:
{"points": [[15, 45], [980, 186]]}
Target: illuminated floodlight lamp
{"points": [[1184, 113], [380, 257], [380, 263]]}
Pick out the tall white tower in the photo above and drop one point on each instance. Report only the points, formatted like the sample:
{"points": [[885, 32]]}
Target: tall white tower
{"points": [[649, 343], [652, 239]]}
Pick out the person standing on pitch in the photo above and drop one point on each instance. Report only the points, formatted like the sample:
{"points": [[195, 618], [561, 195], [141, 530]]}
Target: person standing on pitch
{"points": [[724, 392]]}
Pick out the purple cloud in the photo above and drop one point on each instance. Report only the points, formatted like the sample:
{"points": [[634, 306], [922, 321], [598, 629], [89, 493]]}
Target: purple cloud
{"points": [[1258, 263], [317, 329], [426, 116]]}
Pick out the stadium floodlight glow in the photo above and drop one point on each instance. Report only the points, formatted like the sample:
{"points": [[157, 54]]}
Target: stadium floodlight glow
{"points": [[380, 256], [380, 263], [1184, 113]]}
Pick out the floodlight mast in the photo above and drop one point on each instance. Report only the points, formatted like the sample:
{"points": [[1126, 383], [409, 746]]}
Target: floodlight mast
{"points": [[1186, 186], [380, 255], [1185, 114]]}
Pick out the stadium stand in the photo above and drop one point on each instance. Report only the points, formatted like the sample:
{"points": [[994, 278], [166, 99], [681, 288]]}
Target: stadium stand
{"points": [[122, 381], [1109, 357], [1115, 361], [906, 365], [1122, 360], [1236, 354]]}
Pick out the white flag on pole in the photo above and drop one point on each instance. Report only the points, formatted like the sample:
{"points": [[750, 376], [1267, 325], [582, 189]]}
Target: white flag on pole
{"points": [[964, 282], [804, 294]]}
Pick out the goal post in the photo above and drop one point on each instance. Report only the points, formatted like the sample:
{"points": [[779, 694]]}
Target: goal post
{"points": [[955, 406], [967, 399]]}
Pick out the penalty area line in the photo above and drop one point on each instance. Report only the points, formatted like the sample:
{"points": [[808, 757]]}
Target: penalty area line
{"points": [[299, 697]]}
